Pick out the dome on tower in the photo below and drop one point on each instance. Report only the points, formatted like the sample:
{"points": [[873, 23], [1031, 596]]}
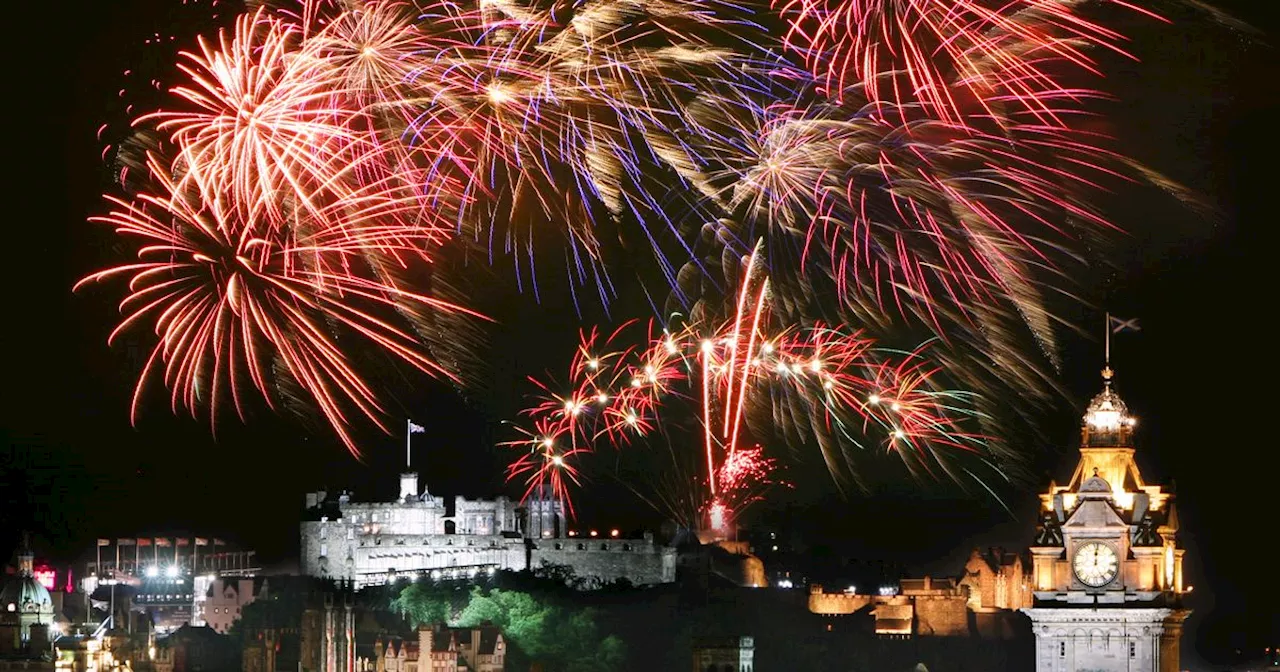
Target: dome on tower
{"points": [[1107, 420]]}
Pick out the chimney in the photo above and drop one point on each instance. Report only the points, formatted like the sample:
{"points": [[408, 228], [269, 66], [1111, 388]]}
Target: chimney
{"points": [[426, 637]]}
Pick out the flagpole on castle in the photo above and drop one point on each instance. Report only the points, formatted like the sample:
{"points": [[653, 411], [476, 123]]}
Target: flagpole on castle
{"points": [[408, 444]]}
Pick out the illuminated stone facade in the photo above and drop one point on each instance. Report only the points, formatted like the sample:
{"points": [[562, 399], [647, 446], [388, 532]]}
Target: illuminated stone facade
{"points": [[373, 543], [1106, 566], [724, 654], [978, 604], [441, 649]]}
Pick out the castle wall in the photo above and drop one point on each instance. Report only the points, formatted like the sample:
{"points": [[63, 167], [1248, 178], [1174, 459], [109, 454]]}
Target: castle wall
{"points": [[835, 604], [640, 561], [942, 616], [369, 543]]}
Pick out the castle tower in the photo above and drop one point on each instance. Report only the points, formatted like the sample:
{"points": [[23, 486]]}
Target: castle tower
{"points": [[1106, 567], [544, 514], [408, 486]]}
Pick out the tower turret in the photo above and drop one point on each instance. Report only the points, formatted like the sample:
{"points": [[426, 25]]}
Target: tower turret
{"points": [[408, 486], [1107, 423]]}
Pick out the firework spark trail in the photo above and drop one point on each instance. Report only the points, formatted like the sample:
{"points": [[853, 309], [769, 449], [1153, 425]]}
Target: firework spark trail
{"points": [[238, 302], [617, 393], [951, 55], [340, 143]]}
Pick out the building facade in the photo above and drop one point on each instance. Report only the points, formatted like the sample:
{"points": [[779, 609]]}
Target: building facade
{"points": [[442, 649], [312, 630], [724, 654], [224, 598], [1106, 565], [937, 607], [374, 543], [26, 607]]}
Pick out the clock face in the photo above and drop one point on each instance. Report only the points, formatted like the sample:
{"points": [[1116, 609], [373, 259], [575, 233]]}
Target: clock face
{"points": [[1095, 564]]}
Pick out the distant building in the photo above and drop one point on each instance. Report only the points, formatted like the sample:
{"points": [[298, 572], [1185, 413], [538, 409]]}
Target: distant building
{"points": [[223, 600], [1107, 576], [724, 654], [170, 576], [928, 607], [997, 579], [194, 648], [26, 608], [374, 543], [439, 649], [310, 627]]}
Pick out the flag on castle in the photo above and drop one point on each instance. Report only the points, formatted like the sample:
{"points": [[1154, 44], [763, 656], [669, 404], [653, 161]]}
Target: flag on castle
{"points": [[161, 541], [219, 542], [104, 542], [415, 428], [184, 542], [200, 541], [144, 542], [124, 542]]}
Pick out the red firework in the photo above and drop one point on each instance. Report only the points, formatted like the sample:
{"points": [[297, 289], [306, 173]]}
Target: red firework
{"points": [[266, 132], [949, 54], [239, 303], [617, 393]]}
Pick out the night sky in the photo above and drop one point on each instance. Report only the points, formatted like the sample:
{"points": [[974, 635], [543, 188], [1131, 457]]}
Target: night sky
{"points": [[1202, 107]]}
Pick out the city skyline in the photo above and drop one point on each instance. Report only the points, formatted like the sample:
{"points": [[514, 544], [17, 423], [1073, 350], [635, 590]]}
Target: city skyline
{"points": [[74, 469]]}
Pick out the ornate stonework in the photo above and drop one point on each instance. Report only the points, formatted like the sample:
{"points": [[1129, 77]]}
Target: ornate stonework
{"points": [[1106, 569]]}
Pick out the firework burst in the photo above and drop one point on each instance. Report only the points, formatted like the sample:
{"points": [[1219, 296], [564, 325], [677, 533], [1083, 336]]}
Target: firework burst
{"points": [[239, 303], [951, 56], [750, 380]]}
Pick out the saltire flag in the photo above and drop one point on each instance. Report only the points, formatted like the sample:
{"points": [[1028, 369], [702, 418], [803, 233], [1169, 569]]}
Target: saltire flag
{"points": [[1119, 325], [184, 542], [201, 541], [161, 541], [104, 542], [415, 428]]}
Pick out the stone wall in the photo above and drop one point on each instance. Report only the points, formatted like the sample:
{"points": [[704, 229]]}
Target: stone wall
{"points": [[942, 616], [835, 604], [639, 561]]}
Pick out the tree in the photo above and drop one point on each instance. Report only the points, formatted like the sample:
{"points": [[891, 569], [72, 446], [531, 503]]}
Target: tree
{"points": [[523, 620], [426, 603]]}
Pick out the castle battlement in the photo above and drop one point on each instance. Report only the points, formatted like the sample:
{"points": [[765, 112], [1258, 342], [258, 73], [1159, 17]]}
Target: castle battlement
{"points": [[372, 543]]}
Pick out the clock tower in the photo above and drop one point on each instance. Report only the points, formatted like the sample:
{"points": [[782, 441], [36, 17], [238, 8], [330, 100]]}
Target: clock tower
{"points": [[1106, 566]]}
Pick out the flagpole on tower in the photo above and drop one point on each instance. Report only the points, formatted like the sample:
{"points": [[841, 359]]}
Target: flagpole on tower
{"points": [[1107, 328], [410, 428]]}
